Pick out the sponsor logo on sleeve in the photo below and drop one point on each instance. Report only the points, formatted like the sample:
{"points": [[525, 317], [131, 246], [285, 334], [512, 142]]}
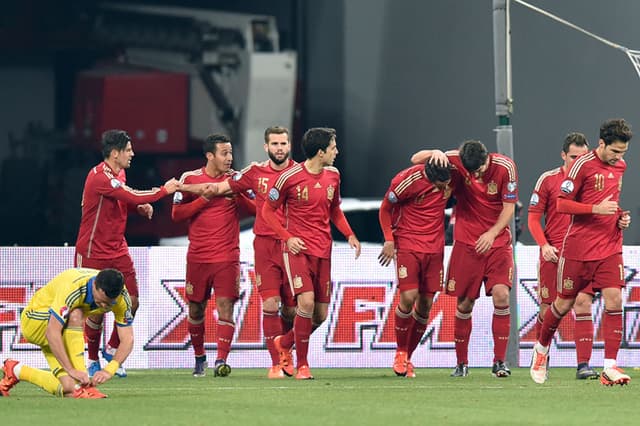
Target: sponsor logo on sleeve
{"points": [[392, 197], [177, 197], [115, 183], [64, 312], [567, 187], [274, 194], [511, 186], [534, 199]]}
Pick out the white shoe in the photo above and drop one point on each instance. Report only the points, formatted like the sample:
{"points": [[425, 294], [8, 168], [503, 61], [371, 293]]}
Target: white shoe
{"points": [[614, 376], [538, 369], [121, 372]]}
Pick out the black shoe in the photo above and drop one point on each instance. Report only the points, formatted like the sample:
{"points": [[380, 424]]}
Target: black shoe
{"points": [[221, 368], [500, 369], [461, 371], [201, 364], [585, 372]]}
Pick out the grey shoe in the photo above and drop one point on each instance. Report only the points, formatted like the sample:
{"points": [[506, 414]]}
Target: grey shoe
{"points": [[500, 369], [462, 370], [585, 372]]}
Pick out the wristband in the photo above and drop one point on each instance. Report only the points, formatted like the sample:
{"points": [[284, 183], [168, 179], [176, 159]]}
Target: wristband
{"points": [[112, 367]]}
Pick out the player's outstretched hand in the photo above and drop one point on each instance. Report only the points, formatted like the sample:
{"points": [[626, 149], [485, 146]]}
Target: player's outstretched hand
{"points": [[171, 185], [355, 244], [145, 210], [387, 253], [100, 377]]}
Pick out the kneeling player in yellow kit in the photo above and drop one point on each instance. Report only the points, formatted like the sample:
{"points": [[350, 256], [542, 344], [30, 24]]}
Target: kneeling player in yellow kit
{"points": [[54, 321]]}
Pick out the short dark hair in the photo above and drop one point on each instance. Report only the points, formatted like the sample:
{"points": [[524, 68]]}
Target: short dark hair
{"points": [[574, 138], [317, 138], [210, 143], [436, 173], [615, 129], [473, 155], [111, 281], [274, 130], [114, 139]]}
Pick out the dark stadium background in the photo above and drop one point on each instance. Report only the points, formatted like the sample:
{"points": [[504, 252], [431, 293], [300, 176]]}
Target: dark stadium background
{"points": [[391, 76]]}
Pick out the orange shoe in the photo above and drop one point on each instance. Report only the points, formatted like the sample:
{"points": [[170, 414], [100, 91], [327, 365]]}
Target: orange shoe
{"points": [[10, 379], [275, 372], [87, 392], [400, 363], [614, 376], [411, 374], [286, 359], [304, 373]]}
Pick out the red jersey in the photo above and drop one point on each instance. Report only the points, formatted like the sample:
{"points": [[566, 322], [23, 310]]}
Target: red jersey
{"points": [[259, 177], [479, 201], [590, 181], [105, 202], [543, 201], [214, 225], [309, 201], [417, 211]]}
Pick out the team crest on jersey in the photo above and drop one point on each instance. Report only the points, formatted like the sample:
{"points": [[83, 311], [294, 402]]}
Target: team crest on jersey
{"points": [[567, 284], [451, 285], [402, 271], [492, 188], [544, 292], [392, 197], [64, 312], [177, 197], [297, 281], [511, 186], [115, 183], [188, 288], [534, 199], [330, 191], [274, 194], [567, 187]]}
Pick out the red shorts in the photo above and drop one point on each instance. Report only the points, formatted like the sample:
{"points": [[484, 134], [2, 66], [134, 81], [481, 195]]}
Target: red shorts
{"points": [[222, 277], [422, 271], [576, 275], [468, 270], [548, 279], [271, 277], [309, 273], [123, 264]]}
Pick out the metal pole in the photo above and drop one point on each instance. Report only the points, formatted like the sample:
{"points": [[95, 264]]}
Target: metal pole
{"points": [[504, 140]]}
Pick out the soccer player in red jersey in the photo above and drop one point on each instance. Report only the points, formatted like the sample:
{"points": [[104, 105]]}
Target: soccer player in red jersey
{"points": [[412, 222], [486, 190], [106, 202], [310, 195], [543, 204], [592, 249], [271, 279], [213, 256]]}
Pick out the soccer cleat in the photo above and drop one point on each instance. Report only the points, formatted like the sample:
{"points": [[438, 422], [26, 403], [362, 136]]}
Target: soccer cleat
{"points": [[538, 370], [121, 372], [87, 392], [94, 367], [500, 369], [221, 368], [614, 376], [304, 373], [275, 372], [201, 364], [286, 359], [462, 370], [400, 363], [106, 355], [585, 372], [9, 379], [411, 374]]}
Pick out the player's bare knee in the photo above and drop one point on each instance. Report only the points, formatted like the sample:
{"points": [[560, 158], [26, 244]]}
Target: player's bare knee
{"points": [[582, 304], [288, 313], [224, 306], [196, 311], [271, 304], [465, 304], [76, 318]]}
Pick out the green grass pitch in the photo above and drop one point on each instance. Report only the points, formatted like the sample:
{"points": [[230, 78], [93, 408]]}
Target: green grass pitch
{"points": [[335, 397]]}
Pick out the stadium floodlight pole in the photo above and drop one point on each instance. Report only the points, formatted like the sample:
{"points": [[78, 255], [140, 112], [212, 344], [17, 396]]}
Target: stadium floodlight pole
{"points": [[504, 142]]}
